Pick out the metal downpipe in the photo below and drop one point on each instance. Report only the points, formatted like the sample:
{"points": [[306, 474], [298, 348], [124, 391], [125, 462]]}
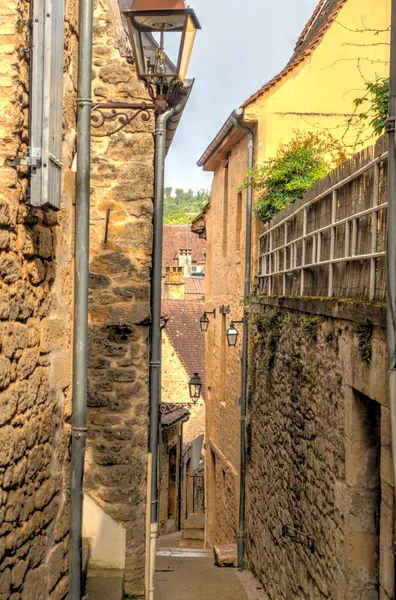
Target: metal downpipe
{"points": [[238, 115], [391, 244], [155, 355], [81, 280]]}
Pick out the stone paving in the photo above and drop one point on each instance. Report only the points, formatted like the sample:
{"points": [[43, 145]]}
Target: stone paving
{"points": [[192, 575]]}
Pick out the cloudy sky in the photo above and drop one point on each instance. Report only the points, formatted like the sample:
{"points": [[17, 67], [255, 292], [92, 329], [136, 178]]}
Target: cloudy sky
{"points": [[242, 45]]}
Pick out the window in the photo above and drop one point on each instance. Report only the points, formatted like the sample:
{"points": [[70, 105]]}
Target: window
{"points": [[46, 103]]}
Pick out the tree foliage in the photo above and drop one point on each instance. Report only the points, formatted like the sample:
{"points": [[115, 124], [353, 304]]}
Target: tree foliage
{"points": [[296, 167], [376, 105], [182, 207]]}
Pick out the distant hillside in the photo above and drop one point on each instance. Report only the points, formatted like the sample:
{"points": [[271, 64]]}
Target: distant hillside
{"points": [[182, 207]]}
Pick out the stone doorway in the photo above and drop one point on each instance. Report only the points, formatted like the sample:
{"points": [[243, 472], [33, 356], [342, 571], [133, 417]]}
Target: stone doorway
{"points": [[364, 497]]}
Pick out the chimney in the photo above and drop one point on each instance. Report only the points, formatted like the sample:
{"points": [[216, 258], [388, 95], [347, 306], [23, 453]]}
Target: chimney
{"points": [[174, 283]]}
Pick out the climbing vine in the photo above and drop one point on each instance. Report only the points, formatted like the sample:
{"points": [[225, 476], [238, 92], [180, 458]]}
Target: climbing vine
{"points": [[376, 105], [297, 166]]}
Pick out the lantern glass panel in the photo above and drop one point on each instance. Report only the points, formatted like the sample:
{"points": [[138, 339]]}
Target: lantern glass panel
{"points": [[186, 48], [232, 336], [204, 323]]}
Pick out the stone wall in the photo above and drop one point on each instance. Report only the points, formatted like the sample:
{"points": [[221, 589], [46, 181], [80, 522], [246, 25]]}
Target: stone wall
{"points": [[122, 183], [36, 274], [319, 512]]}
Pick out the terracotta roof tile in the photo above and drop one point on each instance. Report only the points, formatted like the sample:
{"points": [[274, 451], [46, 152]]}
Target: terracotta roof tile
{"points": [[195, 286], [180, 237], [184, 333]]}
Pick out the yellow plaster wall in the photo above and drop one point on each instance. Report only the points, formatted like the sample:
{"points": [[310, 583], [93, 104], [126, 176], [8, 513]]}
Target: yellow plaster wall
{"points": [[328, 82]]}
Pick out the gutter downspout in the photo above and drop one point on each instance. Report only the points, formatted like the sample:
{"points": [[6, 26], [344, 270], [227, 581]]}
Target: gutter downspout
{"points": [[180, 486], [391, 244], [81, 282], [237, 116], [155, 355]]}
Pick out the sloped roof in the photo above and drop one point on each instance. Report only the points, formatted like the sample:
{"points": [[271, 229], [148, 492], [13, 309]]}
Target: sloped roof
{"points": [[194, 286], [180, 237], [184, 333], [321, 20], [173, 415]]}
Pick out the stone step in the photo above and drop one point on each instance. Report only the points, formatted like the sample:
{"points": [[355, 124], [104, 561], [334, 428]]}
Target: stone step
{"points": [[193, 534], [105, 585], [226, 556], [194, 521], [197, 544]]}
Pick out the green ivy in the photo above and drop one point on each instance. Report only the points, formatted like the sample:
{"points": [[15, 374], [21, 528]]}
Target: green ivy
{"points": [[376, 102], [298, 165]]}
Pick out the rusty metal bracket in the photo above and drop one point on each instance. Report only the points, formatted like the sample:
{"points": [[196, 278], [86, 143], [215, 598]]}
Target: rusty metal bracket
{"points": [[120, 113], [299, 537]]}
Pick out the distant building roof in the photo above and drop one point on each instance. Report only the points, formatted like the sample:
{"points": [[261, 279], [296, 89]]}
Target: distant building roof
{"points": [[172, 414], [194, 286], [184, 333], [180, 237]]}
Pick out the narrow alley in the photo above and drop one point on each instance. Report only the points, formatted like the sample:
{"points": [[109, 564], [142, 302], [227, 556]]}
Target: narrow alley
{"points": [[191, 574]]}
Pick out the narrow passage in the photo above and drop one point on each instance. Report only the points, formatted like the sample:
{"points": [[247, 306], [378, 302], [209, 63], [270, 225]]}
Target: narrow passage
{"points": [[189, 574]]}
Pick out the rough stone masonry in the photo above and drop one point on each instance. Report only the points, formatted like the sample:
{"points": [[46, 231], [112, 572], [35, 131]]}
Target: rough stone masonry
{"points": [[319, 512], [35, 329], [119, 309]]}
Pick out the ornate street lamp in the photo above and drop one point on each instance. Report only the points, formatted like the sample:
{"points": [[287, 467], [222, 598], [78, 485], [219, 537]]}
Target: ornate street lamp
{"points": [[204, 321], [233, 334], [195, 387], [154, 26]]}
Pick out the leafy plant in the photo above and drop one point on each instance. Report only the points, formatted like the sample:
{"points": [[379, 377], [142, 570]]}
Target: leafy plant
{"points": [[298, 165], [364, 332], [376, 102]]}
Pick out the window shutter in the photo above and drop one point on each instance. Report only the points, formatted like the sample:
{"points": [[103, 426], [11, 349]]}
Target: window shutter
{"points": [[46, 103]]}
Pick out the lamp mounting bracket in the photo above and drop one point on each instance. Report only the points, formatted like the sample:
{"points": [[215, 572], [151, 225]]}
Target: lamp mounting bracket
{"points": [[224, 310], [121, 114]]}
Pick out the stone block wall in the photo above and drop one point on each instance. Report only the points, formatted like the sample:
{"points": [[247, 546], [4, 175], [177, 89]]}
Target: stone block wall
{"points": [[122, 188], [319, 512], [36, 292]]}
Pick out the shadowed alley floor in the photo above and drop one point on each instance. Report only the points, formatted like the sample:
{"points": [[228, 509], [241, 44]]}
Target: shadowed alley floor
{"points": [[192, 575]]}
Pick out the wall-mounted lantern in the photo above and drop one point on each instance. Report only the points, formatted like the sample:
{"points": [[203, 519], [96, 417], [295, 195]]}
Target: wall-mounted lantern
{"points": [[195, 387], [233, 334], [204, 321], [154, 27]]}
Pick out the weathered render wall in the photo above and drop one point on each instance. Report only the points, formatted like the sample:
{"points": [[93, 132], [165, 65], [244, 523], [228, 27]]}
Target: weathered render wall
{"points": [[318, 451], [122, 182], [36, 275]]}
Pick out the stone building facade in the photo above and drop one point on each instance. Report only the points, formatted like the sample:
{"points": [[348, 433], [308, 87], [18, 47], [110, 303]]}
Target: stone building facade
{"points": [[119, 301], [319, 506], [36, 292]]}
